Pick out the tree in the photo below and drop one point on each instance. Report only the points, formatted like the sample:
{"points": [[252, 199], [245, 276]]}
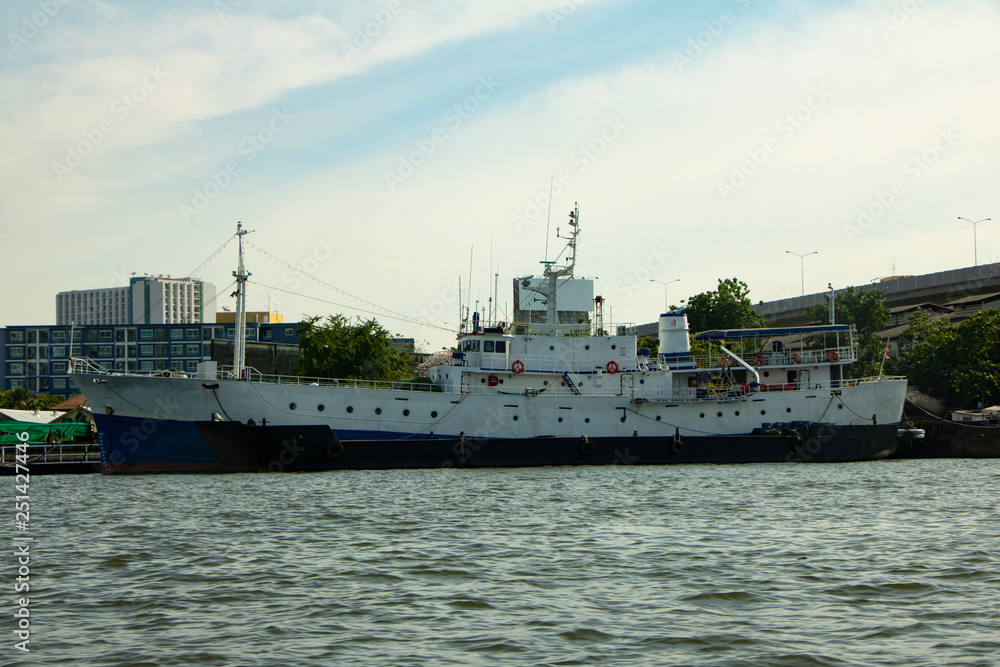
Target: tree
{"points": [[728, 307], [955, 363], [866, 310], [336, 348]]}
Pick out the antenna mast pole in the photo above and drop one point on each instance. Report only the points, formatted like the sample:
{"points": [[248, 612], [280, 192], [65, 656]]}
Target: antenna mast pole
{"points": [[239, 329]]}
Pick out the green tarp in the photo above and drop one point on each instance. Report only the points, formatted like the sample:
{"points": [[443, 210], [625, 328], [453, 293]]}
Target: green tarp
{"points": [[41, 433]]}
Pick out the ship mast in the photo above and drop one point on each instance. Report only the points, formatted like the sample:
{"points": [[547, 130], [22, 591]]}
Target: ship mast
{"points": [[239, 333], [553, 273]]}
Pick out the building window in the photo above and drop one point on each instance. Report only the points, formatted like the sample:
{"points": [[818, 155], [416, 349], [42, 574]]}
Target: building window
{"points": [[58, 352], [159, 334], [146, 334], [92, 335], [59, 383], [17, 384], [43, 336], [193, 350], [191, 334], [15, 352], [77, 351], [32, 352], [104, 335], [77, 336], [176, 350], [265, 334], [58, 367], [145, 365], [159, 350], [176, 334], [17, 336], [289, 331], [58, 336], [32, 337], [145, 350], [104, 351], [43, 353], [15, 369], [177, 366], [192, 366]]}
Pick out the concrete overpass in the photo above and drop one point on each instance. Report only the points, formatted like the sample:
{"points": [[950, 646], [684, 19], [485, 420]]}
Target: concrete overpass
{"points": [[941, 288]]}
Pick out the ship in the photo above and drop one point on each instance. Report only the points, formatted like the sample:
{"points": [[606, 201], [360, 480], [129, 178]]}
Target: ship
{"points": [[555, 386]]}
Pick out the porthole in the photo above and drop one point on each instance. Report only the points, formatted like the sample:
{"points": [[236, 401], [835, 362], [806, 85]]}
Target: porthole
{"points": [[406, 413], [702, 415], [563, 383], [350, 409], [434, 414], [501, 380], [560, 420], [614, 347], [515, 417], [840, 406], [545, 382], [586, 347], [586, 420], [718, 414], [763, 412], [641, 381], [658, 417], [378, 411], [321, 407], [483, 380], [737, 413], [291, 406], [788, 409], [552, 348]]}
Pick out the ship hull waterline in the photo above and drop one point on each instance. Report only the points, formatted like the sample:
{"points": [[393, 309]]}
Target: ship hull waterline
{"points": [[232, 447]]}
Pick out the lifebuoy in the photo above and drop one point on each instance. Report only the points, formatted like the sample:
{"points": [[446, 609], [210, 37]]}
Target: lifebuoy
{"points": [[833, 356], [517, 366], [758, 360], [611, 366], [796, 358]]}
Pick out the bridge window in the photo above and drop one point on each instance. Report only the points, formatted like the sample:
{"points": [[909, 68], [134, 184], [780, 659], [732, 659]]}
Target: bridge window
{"points": [[501, 346], [487, 346]]}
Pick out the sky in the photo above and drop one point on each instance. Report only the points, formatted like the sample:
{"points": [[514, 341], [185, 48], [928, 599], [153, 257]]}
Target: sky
{"points": [[383, 152]]}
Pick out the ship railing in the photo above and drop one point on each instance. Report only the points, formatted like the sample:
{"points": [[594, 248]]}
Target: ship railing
{"points": [[253, 375], [591, 328], [785, 358], [717, 392]]}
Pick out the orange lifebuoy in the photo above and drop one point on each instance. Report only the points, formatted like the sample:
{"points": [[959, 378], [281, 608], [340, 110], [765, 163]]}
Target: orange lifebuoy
{"points": [[611, 366], [796, 358], [758, 360], [517, 366], [833, 356]]}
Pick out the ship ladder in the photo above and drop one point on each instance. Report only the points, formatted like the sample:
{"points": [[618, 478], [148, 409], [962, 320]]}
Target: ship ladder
{"points": [[571, 384]]}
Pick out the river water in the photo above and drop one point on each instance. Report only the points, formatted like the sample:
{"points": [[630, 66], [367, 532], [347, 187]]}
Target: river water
{"points": [[880, 563]]}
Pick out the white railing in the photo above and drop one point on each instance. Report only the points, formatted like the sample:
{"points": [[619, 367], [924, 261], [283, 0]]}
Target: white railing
{"points": [[843, 355]]}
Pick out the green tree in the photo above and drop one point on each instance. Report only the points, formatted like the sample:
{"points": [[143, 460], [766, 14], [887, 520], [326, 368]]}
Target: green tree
{"points": [[955, 363], [727, 307], [866, 310], [336, 348]]}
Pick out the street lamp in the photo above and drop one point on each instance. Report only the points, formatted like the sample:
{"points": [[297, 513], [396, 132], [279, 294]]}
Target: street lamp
{"points": [[975, 251], [666, 305], [802, 266]]}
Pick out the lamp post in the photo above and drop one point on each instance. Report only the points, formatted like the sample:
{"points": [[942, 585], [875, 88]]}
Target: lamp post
{"points": [[802, 266], [975, 251], [666, 304]]}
